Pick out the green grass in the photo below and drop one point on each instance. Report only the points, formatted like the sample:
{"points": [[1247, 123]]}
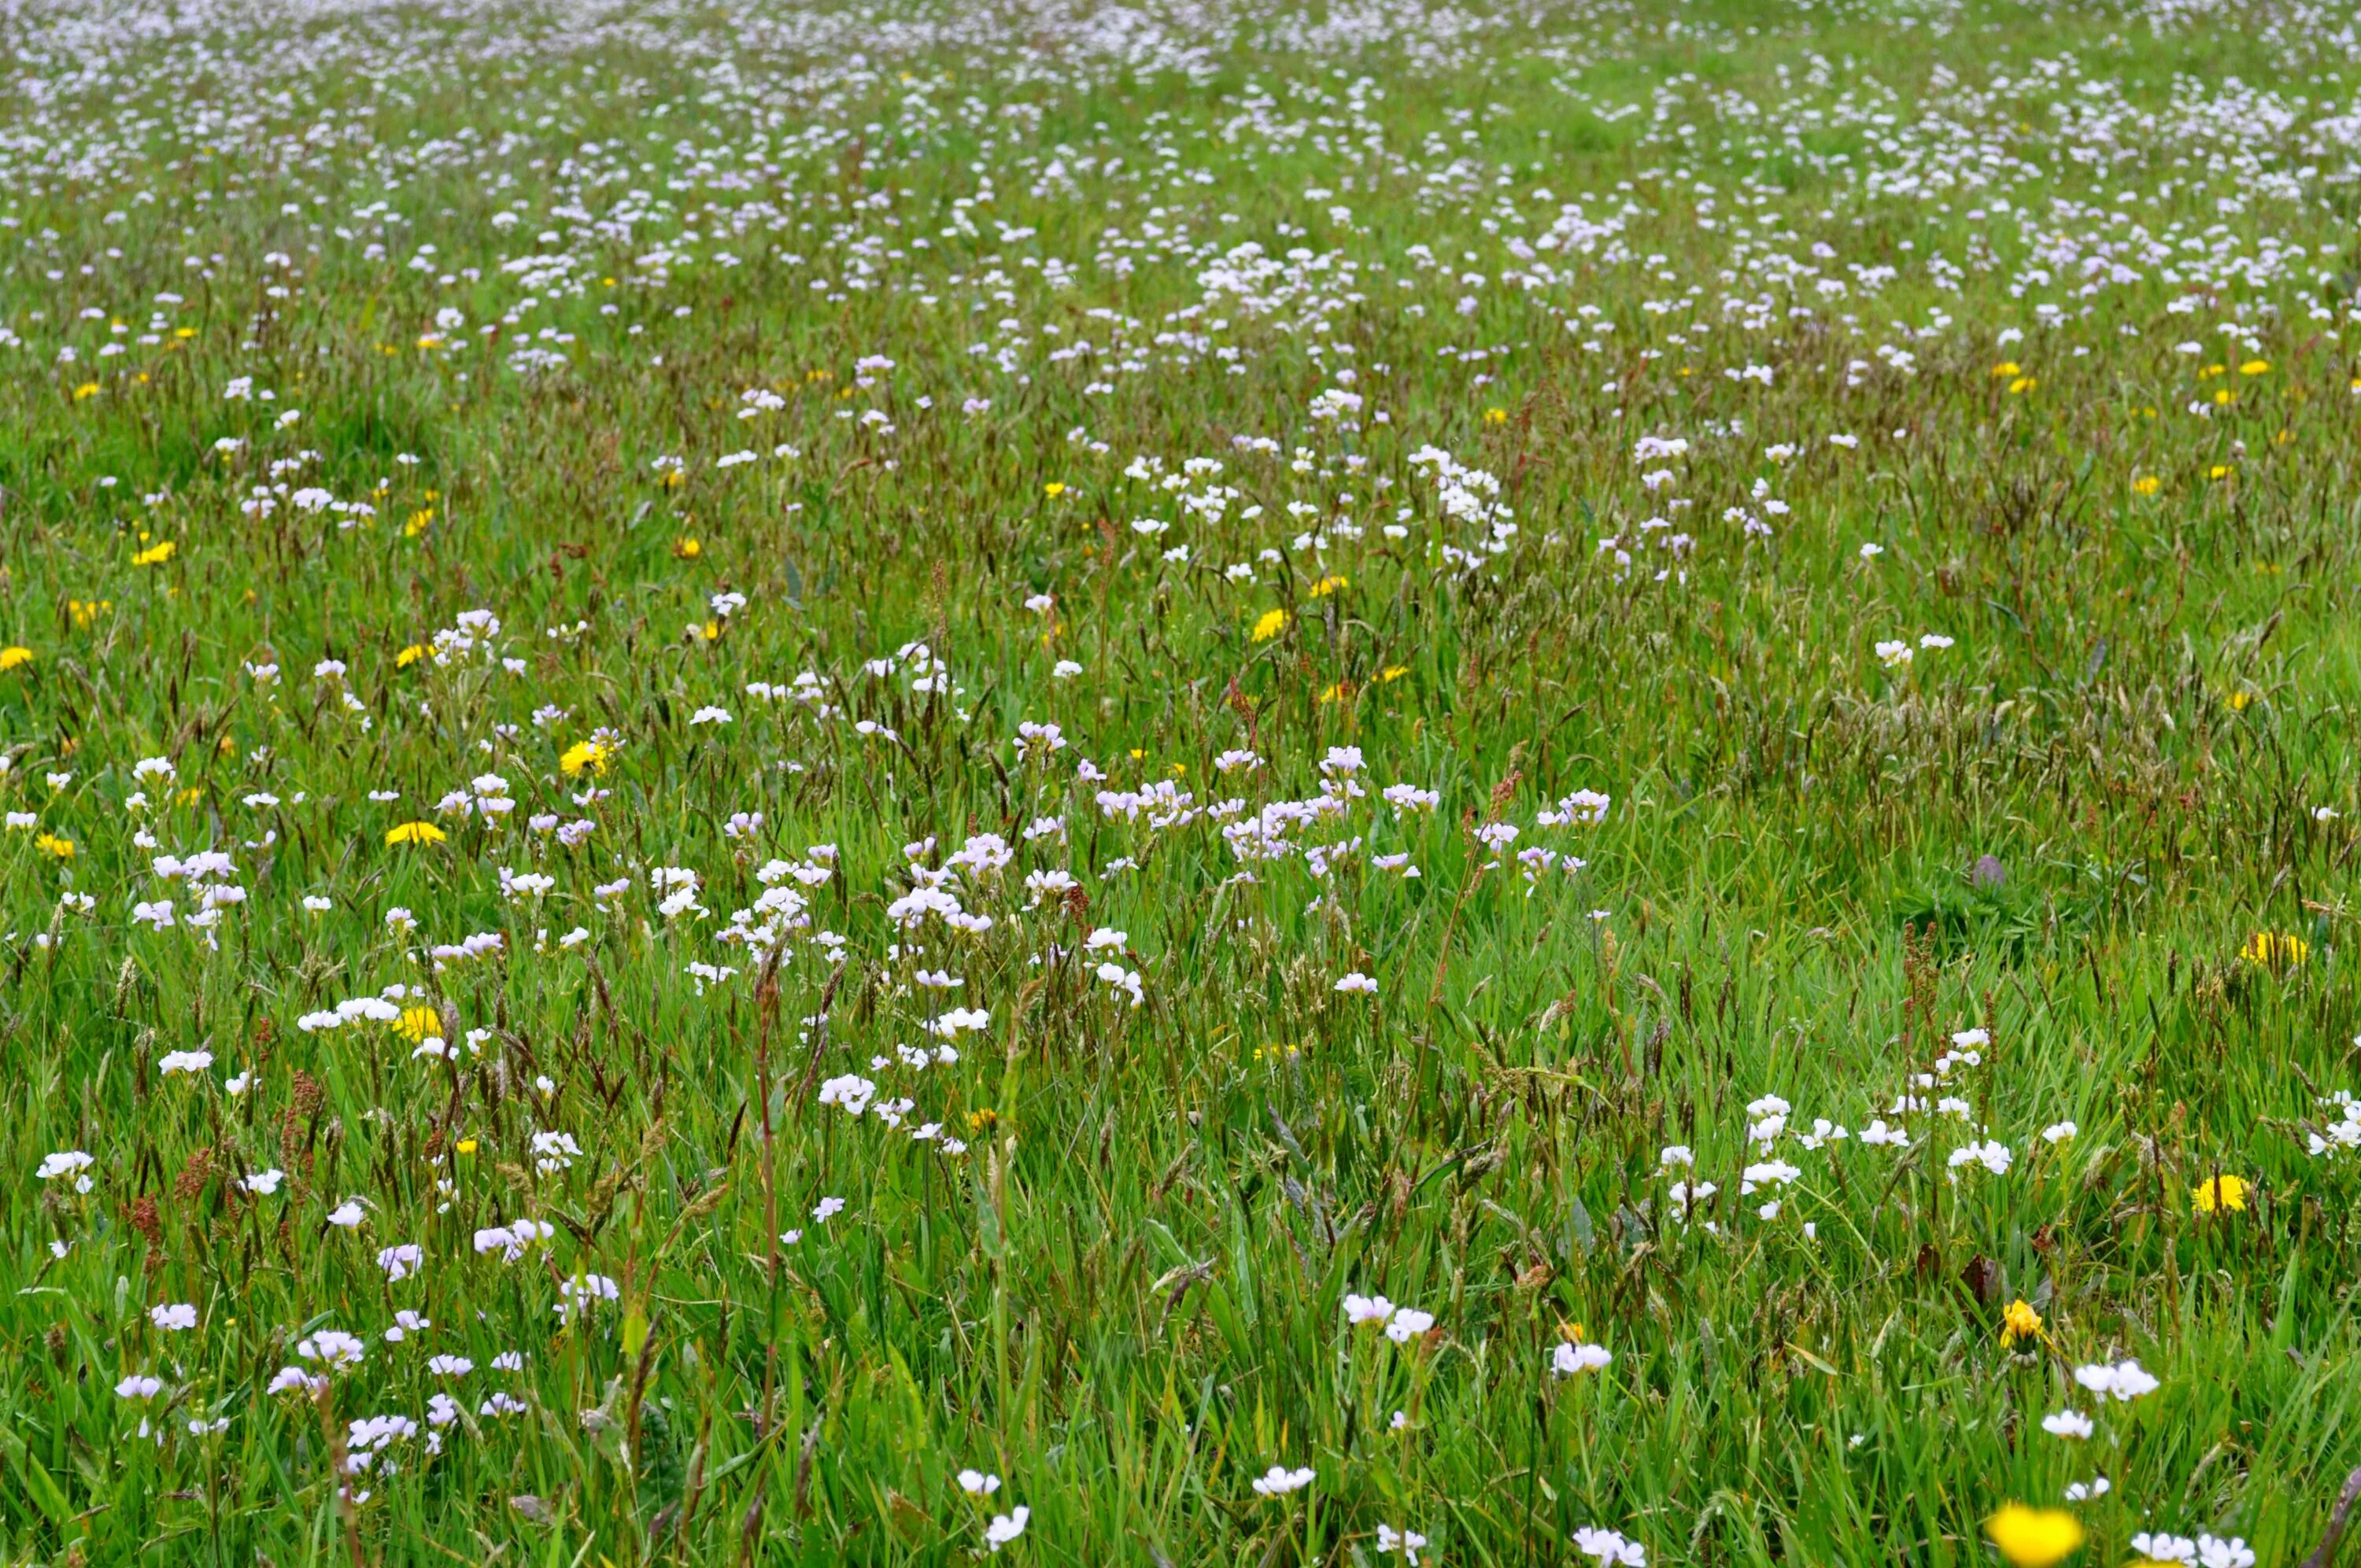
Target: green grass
{"points": [[2111, 824]]}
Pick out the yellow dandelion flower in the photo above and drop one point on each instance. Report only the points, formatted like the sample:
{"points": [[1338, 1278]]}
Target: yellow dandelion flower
{"points": [[2147, 485], [2019, 1321], [2223, 1195], [1054, 490], [155, 555], [12, 657], [2034, 1537], [2253, 367], [1496, 416], [687, 548], [418, 523], [466, 1145], [410, 655], [2275, 950], [2008, 367], [1327, 585], [417, 1022], [50, 844], [583, 755], [1272, 623], [415, 833], [2023, 384], [1392, 672], [2219, 471]]}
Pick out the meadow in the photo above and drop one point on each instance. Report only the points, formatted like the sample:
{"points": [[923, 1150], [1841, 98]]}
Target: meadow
{"points": [[1458, 781]]}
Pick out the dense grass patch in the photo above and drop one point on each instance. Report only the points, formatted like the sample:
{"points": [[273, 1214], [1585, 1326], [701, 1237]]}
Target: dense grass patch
{"points": [[897, 783]]}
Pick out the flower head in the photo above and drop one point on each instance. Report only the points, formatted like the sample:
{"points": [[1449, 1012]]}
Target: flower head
{"points": [[2278, 950], [592, 755], [1278, 1480], [2020, 1321], [2123, 1382], [2219, 1195], [1005, 1528], [1567, 1360], [1612, 1547], [2034, 1537]]}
